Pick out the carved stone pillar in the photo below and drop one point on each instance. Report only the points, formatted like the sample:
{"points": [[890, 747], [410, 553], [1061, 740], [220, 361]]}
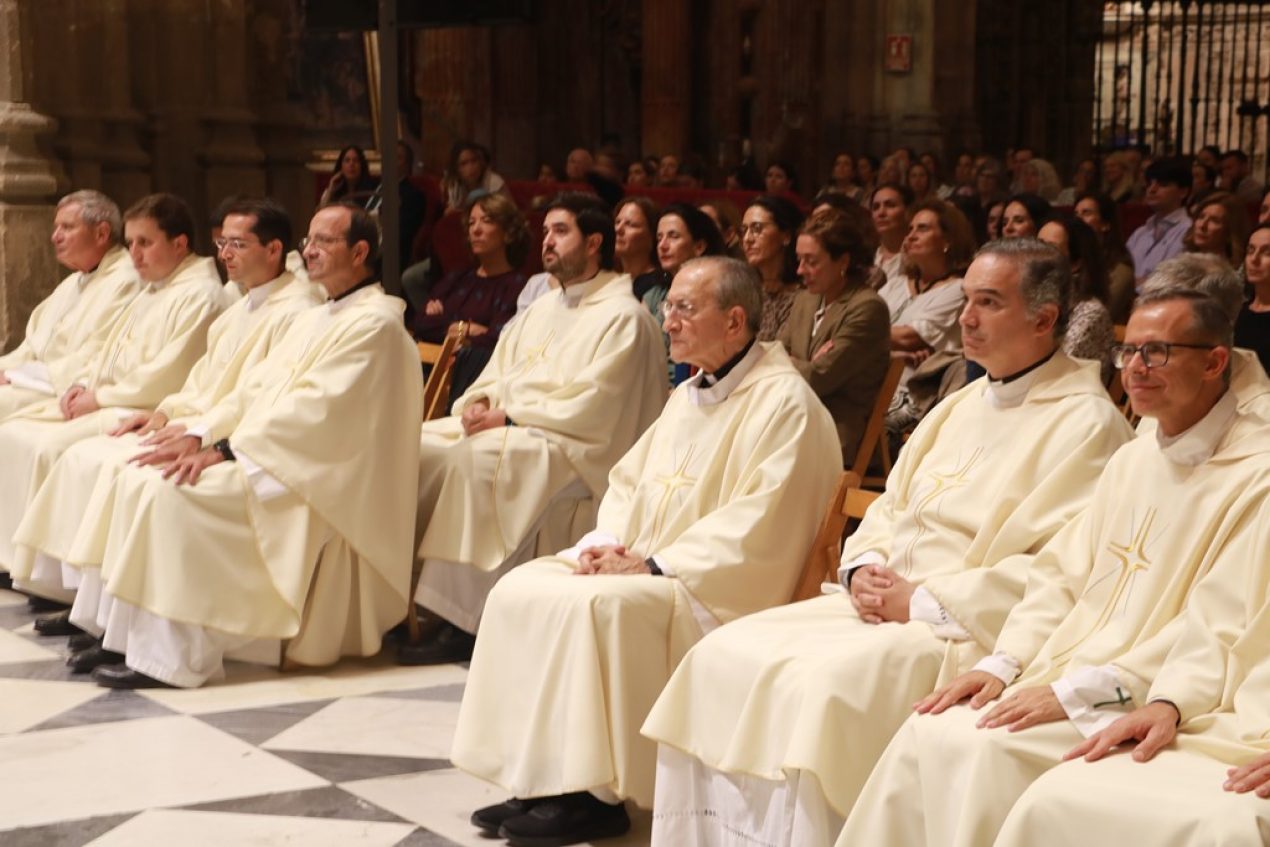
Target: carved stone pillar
{"points": [[125, 166], [667, 77], [28, 181], [454, 84]]}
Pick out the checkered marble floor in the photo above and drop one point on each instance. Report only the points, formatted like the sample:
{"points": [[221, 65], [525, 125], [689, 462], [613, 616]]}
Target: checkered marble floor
{"points": [[355, 755]]}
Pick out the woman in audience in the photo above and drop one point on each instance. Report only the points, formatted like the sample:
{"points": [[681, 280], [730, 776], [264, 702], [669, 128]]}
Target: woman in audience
{"points": [[866, 175], [926, 302], [546, 173], [468, 172], [1037, 176], [1203, 184], [352, 179], [889, 207], [727, 219], [635, 225], [1090, 333], [992, 220], [1118, 177], [683, 232], [1263, 211], [836, 334], [1100, 213], [483, 295], [1252, 328], [1220, 226], [768, 231], [842, 178], [990, 183], [893, 171], [920, 182], [1084, 179], [780, 179], [637, 174], [1024, 216]]}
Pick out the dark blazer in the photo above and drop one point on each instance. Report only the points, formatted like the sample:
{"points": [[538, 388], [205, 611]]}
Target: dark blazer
{"points": [[847, 378]]}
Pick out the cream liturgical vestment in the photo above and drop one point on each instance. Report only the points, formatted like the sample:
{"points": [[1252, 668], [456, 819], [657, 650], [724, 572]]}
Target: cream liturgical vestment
{"points": [[64, 522], [725, 492], [1103, 608], [1218, 675], [581, 375], [771, 725], [305, 537], [153, 345], [67, 330], [1248, 382]]}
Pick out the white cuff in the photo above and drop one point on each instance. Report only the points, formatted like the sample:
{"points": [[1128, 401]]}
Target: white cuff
{"points": [[202, 432], [1001, 665], [1093, 697], [265, 486], [923, 606], [594, 538], [29, 376], [869, 557]]}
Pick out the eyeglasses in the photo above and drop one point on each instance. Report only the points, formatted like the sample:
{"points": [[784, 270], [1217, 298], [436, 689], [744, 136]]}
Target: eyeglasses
{"points": [[321, 242], [235, 244], [1154, 353], [685, 311], [756, 229]]}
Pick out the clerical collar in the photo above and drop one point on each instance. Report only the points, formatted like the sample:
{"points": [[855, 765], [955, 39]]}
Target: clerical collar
{"points": [[353, 295], [256, 296], [1196, 445], [573, 294], [720, 373], [365, 283], [702, 392], [1010, 391]]}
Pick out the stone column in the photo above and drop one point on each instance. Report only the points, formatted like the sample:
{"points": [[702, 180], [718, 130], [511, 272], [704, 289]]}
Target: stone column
{"points": [[454, 84], [667, 77], [28, 180], [125, 166], [233, 161], [910, 96]]}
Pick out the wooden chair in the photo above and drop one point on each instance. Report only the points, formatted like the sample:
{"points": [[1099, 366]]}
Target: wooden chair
{"points": [[436, 391], [849, 502], [1116, 387], [874, 438]]}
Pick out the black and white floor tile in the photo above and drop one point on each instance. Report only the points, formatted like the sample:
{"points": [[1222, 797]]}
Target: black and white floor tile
{"points": [[355, 755]]}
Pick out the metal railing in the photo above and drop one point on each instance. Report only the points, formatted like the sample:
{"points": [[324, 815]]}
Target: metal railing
{"points": [[1182, 75]]}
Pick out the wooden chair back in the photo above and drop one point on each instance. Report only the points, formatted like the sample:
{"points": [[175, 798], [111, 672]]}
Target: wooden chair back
{"points": [[849, 502], [1116, 387], [436, 391], [875, 430]]}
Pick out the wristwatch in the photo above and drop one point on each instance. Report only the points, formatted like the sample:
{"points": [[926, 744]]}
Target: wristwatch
{"points": [[222, 447]]}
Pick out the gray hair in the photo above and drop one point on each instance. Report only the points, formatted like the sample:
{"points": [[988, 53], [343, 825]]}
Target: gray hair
{"points": [[1209, 318], [96, 208], [1045, 275], [736, 284], [1207, 273]]}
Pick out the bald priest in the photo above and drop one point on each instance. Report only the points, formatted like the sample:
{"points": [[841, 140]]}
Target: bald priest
{"points": [[709, 517]]}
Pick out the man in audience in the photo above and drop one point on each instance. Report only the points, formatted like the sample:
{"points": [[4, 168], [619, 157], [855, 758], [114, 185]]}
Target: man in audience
{"points": [[73, 323], [517, 471], [668, 171], [709, 517], [1236, 179], [1104, 598], [61, 529], [578, 165], [771, 725], [290, 536], [147, 356], [1160, 237]]}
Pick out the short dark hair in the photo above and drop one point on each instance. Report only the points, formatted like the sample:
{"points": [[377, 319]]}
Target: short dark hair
{"points": [[273, 223], [1038, 208], [169, 212], [1045, 275], [217, 217], [1172, 171], [788, 218], [1236, 154], [361, 227], [906, 194], [701, 227], [591, 216]]}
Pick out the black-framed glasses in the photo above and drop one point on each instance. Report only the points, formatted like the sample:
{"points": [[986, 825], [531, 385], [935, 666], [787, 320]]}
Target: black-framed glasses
{"points": [[1154, 353]]}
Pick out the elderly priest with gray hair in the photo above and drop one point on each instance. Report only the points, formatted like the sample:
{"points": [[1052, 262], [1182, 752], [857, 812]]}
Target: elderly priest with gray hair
{"points": [[708, 517]]}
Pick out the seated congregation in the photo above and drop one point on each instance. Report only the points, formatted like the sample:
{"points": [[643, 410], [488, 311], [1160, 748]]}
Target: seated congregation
{"points": [[625, 519]]}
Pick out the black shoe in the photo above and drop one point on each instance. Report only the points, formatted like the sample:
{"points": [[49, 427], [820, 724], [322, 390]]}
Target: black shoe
{"points": [[6, 579], [570, 819], [450, 644], [491, 818], [58, 624], [122, 676], [82, 641], [43, 604], [95, 656]]}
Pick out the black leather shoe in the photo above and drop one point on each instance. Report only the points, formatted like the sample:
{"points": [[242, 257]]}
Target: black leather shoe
{"points": [[450, 644], [491, 818], [122, 676], [6, 580], [59, 624], [43, 604], [95, 656], [571, 819], [82, 641]]}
